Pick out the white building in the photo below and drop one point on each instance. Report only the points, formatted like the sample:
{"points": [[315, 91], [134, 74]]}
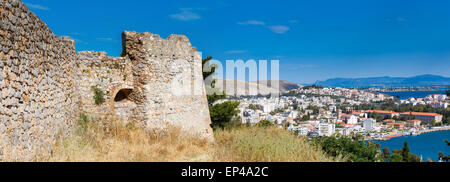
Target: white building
{"points": [[269, 107], [293, 114], [440, 105], [352, 120], [303, 131], [369, 124], [326, 129]]}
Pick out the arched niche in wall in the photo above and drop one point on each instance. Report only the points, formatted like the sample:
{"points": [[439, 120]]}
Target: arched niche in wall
{"points": [[123, 106]]}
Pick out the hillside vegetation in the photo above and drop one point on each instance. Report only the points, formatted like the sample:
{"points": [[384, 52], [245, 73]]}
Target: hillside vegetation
{"points": [[110, 140]]}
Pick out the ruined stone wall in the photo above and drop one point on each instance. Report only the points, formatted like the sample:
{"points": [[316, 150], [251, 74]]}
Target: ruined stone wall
{"points": [[110, 75], [168, 83], [37, 94], [157, 84], [45, 85]]}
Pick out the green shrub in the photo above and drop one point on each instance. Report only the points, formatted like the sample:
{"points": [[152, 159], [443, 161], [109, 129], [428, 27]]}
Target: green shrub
{"points": [[352, 150], [265, 123], [222, 114], [99, 95]]}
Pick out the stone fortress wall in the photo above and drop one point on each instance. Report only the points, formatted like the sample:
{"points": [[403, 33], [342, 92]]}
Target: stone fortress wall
{"points": [[38, 99], [45, 84]]}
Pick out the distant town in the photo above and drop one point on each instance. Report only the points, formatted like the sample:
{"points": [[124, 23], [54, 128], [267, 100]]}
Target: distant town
{"points": [[316, 111]]}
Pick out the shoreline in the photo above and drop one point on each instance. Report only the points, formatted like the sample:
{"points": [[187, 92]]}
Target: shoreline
{"points": [[385, 138]]}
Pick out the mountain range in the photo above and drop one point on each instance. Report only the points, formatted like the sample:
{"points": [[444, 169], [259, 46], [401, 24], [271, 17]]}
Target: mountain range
{"points": [[421, 80]]}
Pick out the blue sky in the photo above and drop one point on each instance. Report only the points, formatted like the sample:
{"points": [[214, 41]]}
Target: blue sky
{"points": [[313, 39]]}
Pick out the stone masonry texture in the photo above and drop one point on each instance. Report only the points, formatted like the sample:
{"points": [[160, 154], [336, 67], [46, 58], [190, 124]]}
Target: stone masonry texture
{"points": [[45, 85]]}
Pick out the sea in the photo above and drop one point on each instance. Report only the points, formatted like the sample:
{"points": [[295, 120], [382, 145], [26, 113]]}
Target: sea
{"points": [[427, 145], [415, 94]]}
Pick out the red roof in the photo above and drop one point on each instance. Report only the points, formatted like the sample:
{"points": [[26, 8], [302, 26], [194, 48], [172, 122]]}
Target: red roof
{"points": [[356, 112], [395, 124], [347, 125], [346, 115], [382, 112], [411, 121], [420, 114]]}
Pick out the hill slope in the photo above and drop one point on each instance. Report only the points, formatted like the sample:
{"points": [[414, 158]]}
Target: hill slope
{"points": [[242, 87], [284, 86]]}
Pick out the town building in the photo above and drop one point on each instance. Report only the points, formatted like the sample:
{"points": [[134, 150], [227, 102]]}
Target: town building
{"points": [[398, 126], [326, 129], [382, 113], [413, 123], [369, 124], [427, 118]]}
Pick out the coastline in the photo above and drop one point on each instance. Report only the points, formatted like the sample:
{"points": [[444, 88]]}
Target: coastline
{"points": [[388, 137]]}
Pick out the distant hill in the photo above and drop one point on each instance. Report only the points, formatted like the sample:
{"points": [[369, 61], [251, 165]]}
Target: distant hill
{"points": [[285, 86], [422, 80], [242, 87]]}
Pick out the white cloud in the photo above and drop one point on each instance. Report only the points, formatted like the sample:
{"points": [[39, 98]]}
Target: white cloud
{"points": [[37, 6], [78, 41], [105, 39], [236, 52], [186, 14], [252, 22], [279, 29]]}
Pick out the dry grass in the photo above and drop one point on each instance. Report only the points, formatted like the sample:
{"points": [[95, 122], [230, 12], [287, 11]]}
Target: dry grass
{"points": [[259, 144], [113, 141]]}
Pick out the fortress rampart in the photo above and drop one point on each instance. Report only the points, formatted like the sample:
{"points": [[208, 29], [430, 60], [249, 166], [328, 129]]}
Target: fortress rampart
{"points": [[45, 84]]}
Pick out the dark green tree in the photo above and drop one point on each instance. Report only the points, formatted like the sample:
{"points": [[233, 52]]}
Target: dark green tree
{"points": [[306, 117], [212, 94], [222, 114], [265, 123], [386, 154], [354, 150], [405, 152], [255, 107]]}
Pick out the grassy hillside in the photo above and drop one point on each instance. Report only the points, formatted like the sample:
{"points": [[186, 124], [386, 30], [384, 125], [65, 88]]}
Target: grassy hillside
{"points": [[270, 144], [109, 140]]}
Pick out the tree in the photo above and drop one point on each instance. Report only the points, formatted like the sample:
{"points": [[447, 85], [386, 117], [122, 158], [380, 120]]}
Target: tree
{"points": [[214, 96], [295, 106], [386, 153], [354, 150], [396, 157], [306, 117], [255, 107], [265, 123], [222, 114], [447, 92], [441, 156], [405, 152]]}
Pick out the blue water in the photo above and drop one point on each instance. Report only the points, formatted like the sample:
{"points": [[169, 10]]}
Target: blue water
{"points": [[427, 145], [415, 94]]}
